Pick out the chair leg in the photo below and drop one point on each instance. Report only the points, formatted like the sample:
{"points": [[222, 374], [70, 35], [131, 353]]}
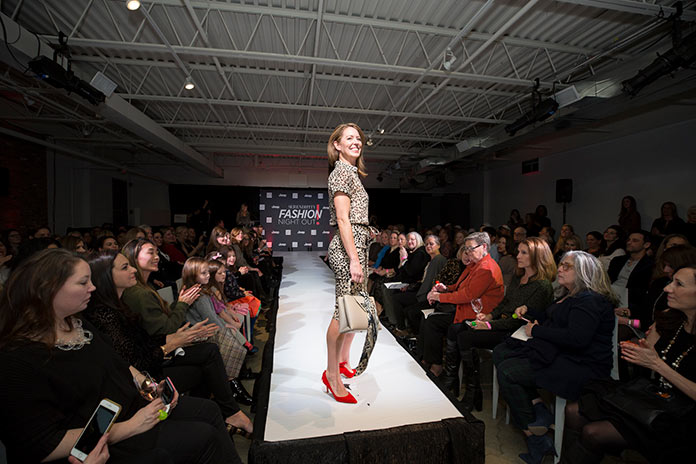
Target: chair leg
{"points": [[559, 424], [496, 393]]}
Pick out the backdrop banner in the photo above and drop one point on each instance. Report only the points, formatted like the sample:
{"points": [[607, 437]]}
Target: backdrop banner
{"points": [[295, 219]]}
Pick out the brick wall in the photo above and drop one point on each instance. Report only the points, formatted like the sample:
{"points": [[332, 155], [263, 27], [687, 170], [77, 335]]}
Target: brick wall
{"points": [[25, 207]]}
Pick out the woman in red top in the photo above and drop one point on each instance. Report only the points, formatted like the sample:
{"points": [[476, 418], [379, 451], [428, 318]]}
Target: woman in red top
{"points": [[479, 289]]}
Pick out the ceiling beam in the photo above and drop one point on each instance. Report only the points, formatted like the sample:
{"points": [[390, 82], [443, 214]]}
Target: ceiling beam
{"points": [[634, 7], [114, 109], [300, 107], [298, 74], [402, 26], [199, 52]]}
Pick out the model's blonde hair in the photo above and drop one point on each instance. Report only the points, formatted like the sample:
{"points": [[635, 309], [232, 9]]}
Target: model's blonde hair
{"points": [[333, 153]]}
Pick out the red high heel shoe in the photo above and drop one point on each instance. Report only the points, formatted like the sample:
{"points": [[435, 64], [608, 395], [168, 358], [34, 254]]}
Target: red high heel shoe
{"points": [[345, 371], [341, 399]]}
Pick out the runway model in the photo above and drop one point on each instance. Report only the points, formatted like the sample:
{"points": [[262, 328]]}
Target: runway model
{"points": [[348, 202]]}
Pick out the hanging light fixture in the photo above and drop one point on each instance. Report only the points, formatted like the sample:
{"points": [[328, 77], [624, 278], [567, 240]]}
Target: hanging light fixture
{"points": [[189, 85], [133, 4]]}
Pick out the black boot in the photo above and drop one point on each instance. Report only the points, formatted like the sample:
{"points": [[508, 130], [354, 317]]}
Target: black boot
{"points": [[473, 395], [239, 393], [538, 446], [450, 375]]}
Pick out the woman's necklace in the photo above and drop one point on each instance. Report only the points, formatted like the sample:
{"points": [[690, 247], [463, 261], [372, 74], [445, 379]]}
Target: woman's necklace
{"points": [[83, 337], [664, 384]]}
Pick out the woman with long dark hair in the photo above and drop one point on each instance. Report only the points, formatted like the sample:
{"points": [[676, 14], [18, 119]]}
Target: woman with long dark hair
{"points": [[57, 368], [629, 217]]}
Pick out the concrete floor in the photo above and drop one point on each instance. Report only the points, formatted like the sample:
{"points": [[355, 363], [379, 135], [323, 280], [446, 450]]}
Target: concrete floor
{"points": [[503, 442]]}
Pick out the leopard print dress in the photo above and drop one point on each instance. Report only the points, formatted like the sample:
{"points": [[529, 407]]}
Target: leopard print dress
{"points": [[344, 178]]}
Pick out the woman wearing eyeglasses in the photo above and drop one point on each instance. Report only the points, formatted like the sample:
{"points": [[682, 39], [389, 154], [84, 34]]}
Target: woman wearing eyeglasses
{"points": [[571, 344], [479, 289]]}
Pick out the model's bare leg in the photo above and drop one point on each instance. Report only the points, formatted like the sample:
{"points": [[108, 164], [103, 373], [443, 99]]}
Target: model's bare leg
{"points": [[344, 350], [334, 343]]}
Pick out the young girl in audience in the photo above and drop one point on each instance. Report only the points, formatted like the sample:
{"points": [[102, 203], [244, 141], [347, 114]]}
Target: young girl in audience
{"points": [[233, 346], [160, 319], [57, 368], [245, 306], [236, 294], [74, 244]]}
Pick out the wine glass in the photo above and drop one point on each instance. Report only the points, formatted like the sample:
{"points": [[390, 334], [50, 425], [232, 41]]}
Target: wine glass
{"points": [[477, 305], [148, 389]]}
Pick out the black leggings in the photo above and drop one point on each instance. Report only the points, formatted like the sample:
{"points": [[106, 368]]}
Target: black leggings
{"points": [[600, 437], [485, 339], [201, 371], [194, 433]]}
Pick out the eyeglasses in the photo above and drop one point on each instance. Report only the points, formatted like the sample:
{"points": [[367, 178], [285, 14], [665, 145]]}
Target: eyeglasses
{"points": [[470, 249], [565, 266]]}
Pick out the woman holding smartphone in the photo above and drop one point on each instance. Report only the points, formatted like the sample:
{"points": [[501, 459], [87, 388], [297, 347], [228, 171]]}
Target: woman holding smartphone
{"points": [[348, 205], [57, 368]]}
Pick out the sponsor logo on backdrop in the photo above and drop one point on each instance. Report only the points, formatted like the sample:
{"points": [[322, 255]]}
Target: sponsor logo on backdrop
{"points": [[299, 216]]}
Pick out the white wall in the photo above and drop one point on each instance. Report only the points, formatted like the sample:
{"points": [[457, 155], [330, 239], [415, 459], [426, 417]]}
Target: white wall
{"points": [[83, 195], [654, 166]]}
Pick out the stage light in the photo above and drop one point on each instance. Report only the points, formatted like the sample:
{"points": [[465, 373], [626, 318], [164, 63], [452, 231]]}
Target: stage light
{"points": [[133, 4], [538, 113], [370, 142], [682, 55], [448, 59], [189, 85], [380, 130]]}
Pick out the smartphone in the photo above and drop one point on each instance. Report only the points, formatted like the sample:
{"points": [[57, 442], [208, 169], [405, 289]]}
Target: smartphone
{"points": [[101, 421], [168, 390]]}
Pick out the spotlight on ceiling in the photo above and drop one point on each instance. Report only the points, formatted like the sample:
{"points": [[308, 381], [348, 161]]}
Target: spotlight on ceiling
{"points": [[370, 142], [540, 111], [189, 85], [448, 59], [682, 55], [133, 4], [380, 130]]}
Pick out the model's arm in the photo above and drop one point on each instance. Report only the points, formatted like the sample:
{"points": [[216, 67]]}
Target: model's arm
{"points": [[342, 205]]}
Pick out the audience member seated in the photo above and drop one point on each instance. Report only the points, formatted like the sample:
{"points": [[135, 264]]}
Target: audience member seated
{"points": [[135, 233], [541, 218], [531, 286], [690, 225], [207, 308], [396, 301], [507, 249], [594, 243], [446, 246], [630, 278], [246, 278], [531, 225], [479, 289], [567, 231], [515, 219], [599, 424], [33, 246], [388, 265], [519, 233], [378, 249], [182, 240], [42, 232], [200, 369], [493, 236], [614, 243], [219, 238], [243, 217], [629, 218], [250, 276], [672, 258], [106, 243], [571, 344], [548, 234], [669, 221], [414, 259], [13, 239], [169, 246], [74, 244], [57, 368]]}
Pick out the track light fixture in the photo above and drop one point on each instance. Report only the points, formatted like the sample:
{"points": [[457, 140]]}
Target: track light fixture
{"points": [[448, 59], [540, 111], [189, 85], [133, 4]]}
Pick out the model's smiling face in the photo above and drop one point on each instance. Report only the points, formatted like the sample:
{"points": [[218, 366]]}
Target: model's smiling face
{"points": [[349, 146]]}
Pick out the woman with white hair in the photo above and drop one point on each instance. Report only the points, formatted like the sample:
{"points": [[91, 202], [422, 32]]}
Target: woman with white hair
{"points": [[570, 344], [413, 260]]}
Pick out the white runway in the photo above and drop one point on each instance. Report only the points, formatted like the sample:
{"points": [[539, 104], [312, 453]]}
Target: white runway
{"points": [[393, 391]]}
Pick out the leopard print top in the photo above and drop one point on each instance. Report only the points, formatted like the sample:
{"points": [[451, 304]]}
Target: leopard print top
{"points": [[344, 178]]}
